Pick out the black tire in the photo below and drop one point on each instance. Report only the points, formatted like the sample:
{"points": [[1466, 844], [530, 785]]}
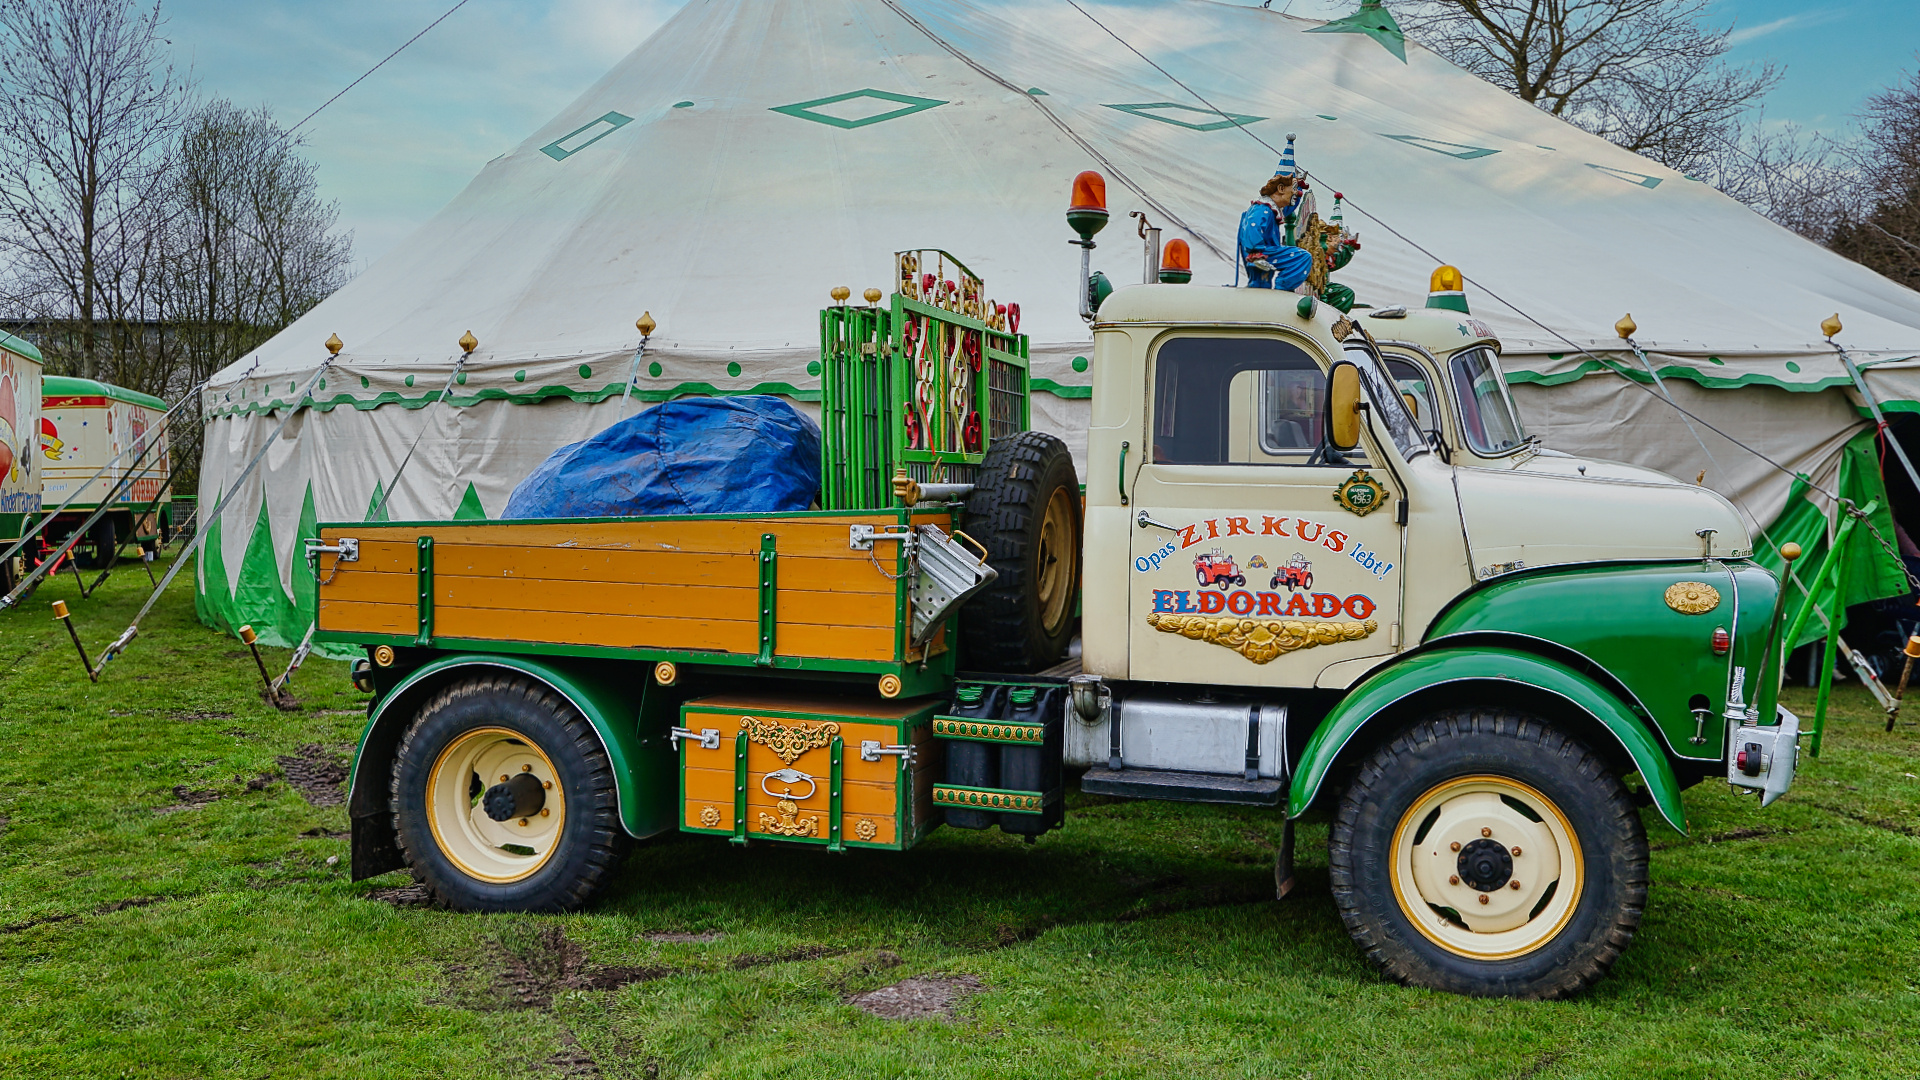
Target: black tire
{"points": [[1025, 510], [99, 546], [1581, 942], [588, 841]]}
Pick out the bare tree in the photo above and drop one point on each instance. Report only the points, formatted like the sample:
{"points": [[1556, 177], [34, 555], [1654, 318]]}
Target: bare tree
{"points": [[1803, 180], [250, 243], [89, 112], [1648, 75], [1884, 233]]}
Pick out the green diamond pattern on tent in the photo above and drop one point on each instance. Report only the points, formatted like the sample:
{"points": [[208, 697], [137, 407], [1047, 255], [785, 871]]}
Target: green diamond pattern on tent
{"points": [[585, 135], [858, 115], [1376, 22], [1163, 111], [1642, 179], [1452, 150]]}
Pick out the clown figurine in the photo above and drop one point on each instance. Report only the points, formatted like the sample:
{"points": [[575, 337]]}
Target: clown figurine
{"points": [[1271, 263]]}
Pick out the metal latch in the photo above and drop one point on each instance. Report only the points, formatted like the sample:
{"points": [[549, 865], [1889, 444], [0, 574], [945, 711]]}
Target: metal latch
{"points": [[709, 738], [871, 750], [347, 548], [862, 537]]}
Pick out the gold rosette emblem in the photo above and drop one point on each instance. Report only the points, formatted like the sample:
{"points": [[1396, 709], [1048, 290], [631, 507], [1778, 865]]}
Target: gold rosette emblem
{"points": [[1692, 597]]}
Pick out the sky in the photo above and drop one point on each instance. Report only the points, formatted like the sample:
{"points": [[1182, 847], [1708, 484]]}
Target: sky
{"points": [[396, 148]]}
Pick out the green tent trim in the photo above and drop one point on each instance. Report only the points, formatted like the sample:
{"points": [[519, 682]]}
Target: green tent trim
{"points": [[534, 397], [257, 598], [1676, 371], [1872, 574]]}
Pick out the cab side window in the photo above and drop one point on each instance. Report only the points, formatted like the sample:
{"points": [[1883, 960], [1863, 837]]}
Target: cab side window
{"points": [[1236, 401]]}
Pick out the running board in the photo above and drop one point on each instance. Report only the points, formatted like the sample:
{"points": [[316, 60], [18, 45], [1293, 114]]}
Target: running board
{"points": [[1183, 786]]}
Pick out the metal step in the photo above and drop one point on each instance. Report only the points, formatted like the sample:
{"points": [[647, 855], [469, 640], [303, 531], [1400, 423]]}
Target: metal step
{"points": [[1183, 786]]}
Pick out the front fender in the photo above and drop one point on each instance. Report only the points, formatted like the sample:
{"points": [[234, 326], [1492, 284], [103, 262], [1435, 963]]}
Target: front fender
{"points": [[1431, 670], [612, 709]]}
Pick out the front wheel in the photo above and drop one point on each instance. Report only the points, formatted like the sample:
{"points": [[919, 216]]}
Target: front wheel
{"points": [[503, 799], [1484, 853]]}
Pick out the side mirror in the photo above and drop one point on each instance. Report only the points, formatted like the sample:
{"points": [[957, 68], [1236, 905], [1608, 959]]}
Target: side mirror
{"points": [[1413, 405], [1343, 406]]}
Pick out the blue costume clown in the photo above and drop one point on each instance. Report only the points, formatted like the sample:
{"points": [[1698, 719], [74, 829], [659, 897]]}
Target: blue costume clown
{"points": [[1270, 262]]}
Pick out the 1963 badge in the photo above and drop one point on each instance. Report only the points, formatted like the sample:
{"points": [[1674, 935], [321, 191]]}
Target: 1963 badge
{"points": [[1360, 493]]}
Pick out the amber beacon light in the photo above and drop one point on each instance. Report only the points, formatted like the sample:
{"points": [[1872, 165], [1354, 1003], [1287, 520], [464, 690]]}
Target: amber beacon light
{"points": [[1176, 263]]}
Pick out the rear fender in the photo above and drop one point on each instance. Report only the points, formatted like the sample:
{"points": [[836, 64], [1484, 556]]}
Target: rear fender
{"points": [[1395, 694], [639, 761]]}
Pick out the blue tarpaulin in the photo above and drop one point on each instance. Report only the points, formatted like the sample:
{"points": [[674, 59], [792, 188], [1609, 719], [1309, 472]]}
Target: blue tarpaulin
{"points": [[730, 455]]}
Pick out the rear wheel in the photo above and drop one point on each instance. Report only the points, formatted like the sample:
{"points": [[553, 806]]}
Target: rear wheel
{"points": [[1484, 853], [96, 551], [1025, 509], [503, 799]]}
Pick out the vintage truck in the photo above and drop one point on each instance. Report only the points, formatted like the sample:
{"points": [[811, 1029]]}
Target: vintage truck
{"points": [[20, 470], [1503, 654]]}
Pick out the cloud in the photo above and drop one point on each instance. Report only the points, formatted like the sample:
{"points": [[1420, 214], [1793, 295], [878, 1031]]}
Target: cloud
{"points": [[1744, 34]]}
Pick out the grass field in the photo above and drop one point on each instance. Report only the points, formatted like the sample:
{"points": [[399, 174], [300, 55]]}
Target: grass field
{"points": [[171, 906]]}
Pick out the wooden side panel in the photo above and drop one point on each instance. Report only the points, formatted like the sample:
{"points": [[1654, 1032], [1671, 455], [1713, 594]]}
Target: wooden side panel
{"points": [[660, 583]]}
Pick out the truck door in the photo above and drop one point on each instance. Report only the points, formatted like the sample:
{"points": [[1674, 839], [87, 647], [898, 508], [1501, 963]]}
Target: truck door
{"points": [[1260, 556]]}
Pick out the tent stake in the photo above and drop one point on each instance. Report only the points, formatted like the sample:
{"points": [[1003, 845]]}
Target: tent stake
{"points": [[60, 612]]}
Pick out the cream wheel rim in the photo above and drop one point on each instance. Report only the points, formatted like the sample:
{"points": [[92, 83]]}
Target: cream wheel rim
{"points": [[1058, 556], [1458, 881], [494, 851]]}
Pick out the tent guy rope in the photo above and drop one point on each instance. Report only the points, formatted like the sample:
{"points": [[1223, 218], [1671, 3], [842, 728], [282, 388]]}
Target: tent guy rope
{"points": [[1481, 286], [200, 537]]}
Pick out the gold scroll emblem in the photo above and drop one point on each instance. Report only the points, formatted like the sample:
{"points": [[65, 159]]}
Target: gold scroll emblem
{"points": [[785, 824], [788, 741], [1360, 494], [1692, 597], [1260, 640]]}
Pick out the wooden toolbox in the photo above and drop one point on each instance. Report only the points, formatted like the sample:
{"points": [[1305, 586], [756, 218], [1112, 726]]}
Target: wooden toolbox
{"points": [[843, 773]]}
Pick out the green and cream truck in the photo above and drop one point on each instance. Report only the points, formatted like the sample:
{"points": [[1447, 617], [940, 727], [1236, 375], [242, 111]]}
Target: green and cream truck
{"points": [[1313, 566]]}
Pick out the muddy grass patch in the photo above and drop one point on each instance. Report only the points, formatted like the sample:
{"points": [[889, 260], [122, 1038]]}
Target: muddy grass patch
{"points": [[194, 716], [403, 896], [525, 968], [785, 956], [925, 997], [664, 937], [316, 774]]}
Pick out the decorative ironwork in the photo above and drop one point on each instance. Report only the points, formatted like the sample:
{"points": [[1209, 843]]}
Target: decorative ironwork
{"points": [[1692, 597], [1260, 640], [988, 730], [788, 741], [1019, 802], [788, 823]]}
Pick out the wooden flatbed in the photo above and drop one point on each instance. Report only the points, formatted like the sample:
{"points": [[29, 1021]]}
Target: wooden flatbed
{"points": [[784, 591]]}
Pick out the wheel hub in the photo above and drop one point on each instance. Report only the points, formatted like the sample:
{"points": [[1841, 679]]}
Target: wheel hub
{"points": [[521, 796], [1485, 865]]}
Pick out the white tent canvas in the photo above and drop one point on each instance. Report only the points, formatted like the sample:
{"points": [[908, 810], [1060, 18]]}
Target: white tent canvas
{"points": [[749, 156]]}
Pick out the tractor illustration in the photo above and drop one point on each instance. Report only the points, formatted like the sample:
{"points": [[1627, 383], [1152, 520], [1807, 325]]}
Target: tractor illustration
{"points": [[1216, 568], [1297, 573]]}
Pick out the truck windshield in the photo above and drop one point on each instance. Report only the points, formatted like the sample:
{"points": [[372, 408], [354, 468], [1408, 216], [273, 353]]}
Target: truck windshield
{"points": [[1486, 413], [1388, 405]]}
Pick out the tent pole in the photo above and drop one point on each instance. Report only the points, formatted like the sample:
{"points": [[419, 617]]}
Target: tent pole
{"points": [[1880, 418]]}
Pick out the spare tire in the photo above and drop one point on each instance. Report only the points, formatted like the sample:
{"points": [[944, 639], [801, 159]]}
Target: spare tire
{"points": [[1025, 510]]}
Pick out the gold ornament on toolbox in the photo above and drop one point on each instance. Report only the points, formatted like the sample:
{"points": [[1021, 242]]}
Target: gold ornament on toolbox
{"points": [[788, 741]]}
